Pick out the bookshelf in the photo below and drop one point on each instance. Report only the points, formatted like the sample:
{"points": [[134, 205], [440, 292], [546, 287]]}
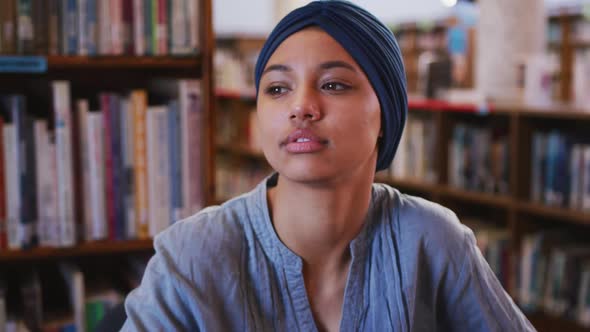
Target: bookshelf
{"points": [[90, 76]]}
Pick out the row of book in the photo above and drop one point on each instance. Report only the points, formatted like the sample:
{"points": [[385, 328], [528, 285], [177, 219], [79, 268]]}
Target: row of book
{"points": [[234, 177], [117, 170], [555, 275], [478, 159], [560, 170], [93, 27], [84, 301], [551, 273], [415, 156]]}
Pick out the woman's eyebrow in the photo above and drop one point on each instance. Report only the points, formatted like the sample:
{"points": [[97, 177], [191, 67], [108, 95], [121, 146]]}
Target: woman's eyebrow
{"points": [[337, 64], [277, 67]]}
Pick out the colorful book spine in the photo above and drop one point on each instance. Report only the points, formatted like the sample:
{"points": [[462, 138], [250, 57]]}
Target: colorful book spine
{"points": [[139, 107], [25, 27], [63, 145], [139, 27]]}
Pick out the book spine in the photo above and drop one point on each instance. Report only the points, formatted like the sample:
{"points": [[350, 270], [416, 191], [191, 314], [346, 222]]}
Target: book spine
{"points": [[40, 25], [41, 143], [109, 167], [163, 169], [139, 106], [82, 24], [70, 27], [148, 25], [25, 32], [11, 176], [118, 168], [99, 229], [82, 109], [138, 27], [104, 27], [128, 26], [54, 27], [91, 25], [193, 10], [152, 169], [154, 26], [586, 179], [190, 117], [127, 159], [175, 162], [162, 28], [3, 216], [8, 27], [63, 130], [28, 180], [116, 10]]}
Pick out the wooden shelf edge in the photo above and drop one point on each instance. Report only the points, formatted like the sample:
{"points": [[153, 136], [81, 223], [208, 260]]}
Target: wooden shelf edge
{"points": [[410, 184], [124, 61], [246, 95], [578, 217], [497, 200], [85, 249], [546, 322]]}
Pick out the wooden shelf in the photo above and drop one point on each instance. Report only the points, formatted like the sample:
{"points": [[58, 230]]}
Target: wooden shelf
{"points": [[561, 214], [409, 184], [241, 150], [85, 249], [545, 322], [249, 95], [494, 200], [123, 62]]}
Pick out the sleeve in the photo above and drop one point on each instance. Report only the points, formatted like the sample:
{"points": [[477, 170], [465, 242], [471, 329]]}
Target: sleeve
{"points": [[475, 299], [160, 302]]}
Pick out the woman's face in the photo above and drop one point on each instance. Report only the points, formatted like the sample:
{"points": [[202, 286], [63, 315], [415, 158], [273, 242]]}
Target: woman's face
{"points": [[318, 114]]}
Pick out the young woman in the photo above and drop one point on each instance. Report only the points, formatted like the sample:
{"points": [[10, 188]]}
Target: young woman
{"points": [[317, 245]]}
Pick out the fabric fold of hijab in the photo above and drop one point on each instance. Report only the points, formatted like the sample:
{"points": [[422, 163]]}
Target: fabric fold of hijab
{"points": [[371, 44]]}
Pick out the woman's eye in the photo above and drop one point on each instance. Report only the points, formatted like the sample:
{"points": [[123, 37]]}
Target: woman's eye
{"points": [[275, 90], [335, 86]]}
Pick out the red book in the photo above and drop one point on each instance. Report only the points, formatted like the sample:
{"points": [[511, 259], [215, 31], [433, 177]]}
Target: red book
{"points": [[128, 45], [162, 28], [108, 164]]}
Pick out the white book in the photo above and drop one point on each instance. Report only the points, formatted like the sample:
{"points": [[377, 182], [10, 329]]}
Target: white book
{"points": [[179, 27], [138, 27], [95, 139], [75, 281], [12, 186], [83, 32], [43, 189], [63, 144], [194, 10], [116, 22], [158, 169], [82, 109], [191, 146]]}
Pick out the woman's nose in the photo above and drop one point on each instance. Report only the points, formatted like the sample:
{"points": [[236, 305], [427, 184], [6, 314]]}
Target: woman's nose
{"points": [[305, 108]]}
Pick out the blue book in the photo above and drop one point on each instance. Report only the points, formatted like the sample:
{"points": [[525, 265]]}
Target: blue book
{"points": [[69, 27], [118, 168], [175, 161], [91, 27]]}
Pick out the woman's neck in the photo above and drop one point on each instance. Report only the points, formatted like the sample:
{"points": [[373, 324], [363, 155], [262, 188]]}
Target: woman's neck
{"points": [[319, 222]]}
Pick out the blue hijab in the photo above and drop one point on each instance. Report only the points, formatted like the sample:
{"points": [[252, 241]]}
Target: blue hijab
{"points": [[371, 44]]}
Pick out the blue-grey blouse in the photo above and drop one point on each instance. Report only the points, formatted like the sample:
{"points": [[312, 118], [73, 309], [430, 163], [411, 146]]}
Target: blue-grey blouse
{"points": [[414, 267]]}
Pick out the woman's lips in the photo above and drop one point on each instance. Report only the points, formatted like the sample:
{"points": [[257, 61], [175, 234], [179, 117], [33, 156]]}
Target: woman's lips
{"points": [[304, 141]]}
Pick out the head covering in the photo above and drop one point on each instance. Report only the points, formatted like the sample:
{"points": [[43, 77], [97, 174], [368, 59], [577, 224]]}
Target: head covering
{"points": [[371, 44]]}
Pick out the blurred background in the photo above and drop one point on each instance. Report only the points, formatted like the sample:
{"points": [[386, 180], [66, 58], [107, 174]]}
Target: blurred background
{"points": [[120, 117]]}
